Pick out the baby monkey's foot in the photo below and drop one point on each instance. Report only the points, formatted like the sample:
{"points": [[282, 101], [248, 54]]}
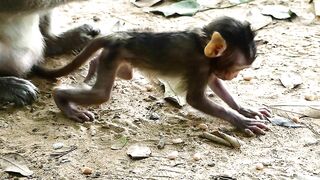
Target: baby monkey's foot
{"points": [[79, 115], [72, 112]]}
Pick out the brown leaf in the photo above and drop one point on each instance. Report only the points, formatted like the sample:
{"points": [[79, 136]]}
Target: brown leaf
{"points": [[12, 162]]}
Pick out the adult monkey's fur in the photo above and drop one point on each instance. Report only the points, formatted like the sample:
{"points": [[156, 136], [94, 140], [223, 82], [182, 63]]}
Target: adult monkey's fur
{"points": [[25, 38]]}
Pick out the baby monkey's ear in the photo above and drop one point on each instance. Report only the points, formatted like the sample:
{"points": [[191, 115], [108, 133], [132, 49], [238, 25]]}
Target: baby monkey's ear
{"points": [[216, 46]]}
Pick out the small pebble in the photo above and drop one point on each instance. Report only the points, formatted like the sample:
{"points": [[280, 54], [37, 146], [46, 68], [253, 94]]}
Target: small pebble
{"points": [[93, 132], [259, 166], [309, 97], [173, 155], [154, 116], [96, 18], [211, 164], [87, 171], [152, 98], [96, 174], [58, 145], [196, 156], [296, 119], [149, 88], [203, 127], [35, 130], [247, 78], [177, 141]]}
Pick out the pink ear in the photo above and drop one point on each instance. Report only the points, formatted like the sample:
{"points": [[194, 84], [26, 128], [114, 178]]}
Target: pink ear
{"points": [[216, 46]]}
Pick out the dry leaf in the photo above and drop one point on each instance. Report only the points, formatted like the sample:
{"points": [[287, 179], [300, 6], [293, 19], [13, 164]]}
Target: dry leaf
{"points": [[239, 1], [183, 8], [12, 162], [296, 109], [290, 80], [138, 152], [144, 3], [278, 11], [257, 20], [284, 122], [171, 94], [209, 3], [119, 143]]}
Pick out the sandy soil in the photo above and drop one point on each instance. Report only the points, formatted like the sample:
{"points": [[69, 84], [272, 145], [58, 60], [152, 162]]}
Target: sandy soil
{"points": [[289, 46]]}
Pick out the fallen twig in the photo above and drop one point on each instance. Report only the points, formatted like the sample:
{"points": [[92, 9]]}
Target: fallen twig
{"points": [[293, 105], [225, 7], [310, 127], [214, 138], [232, 140], [285, 111], [162, 176], [312, 144], [62, 153], [162, 142], [222, 138], [172, 170]]}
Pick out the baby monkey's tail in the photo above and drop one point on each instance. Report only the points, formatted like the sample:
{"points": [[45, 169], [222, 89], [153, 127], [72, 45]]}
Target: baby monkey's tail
{"points": [[85, 54]]}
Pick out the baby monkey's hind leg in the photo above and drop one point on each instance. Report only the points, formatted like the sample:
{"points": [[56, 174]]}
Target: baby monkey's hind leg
{"points": [[67, 98]]}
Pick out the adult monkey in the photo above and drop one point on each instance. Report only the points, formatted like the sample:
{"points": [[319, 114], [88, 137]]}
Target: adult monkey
{"points": [[25, 38], [199, 57]]}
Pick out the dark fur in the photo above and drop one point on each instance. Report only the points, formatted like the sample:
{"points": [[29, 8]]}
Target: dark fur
{"points": [[165, 51], [13, 88], [172, 54], [238, 35]]}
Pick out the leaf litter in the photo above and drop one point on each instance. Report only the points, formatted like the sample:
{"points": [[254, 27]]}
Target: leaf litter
{"points": [[15, 163]]}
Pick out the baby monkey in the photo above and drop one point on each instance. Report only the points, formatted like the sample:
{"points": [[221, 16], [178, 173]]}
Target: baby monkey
{"points": [[199, 57]]}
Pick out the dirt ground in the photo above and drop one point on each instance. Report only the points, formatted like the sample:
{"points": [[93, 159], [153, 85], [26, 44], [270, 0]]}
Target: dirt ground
{"points": [[289, 46]]}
